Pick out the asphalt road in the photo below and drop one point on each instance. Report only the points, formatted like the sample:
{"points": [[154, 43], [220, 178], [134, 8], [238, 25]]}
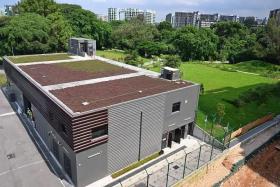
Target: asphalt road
{"points": [[21, 164]]}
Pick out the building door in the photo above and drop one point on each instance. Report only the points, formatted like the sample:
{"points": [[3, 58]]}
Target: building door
{"points": [[170, 139], [190, 128], [164, 141], [183, 129], [178, 135], [67, 165]]}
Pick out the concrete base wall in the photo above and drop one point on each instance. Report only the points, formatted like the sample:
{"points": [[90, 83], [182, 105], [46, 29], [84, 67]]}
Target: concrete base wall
{"points": [[92, 165]]}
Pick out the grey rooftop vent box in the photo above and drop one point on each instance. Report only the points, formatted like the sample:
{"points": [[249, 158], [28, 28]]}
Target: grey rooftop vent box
{"points": [[170, 73], [82, 47]]}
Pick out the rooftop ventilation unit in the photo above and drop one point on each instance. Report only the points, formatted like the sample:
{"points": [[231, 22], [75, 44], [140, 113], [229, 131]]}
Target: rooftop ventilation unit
{"points": [[170, 73]]}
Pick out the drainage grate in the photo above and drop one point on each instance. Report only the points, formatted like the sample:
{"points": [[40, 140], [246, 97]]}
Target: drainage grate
{"points": [[176, 167], [10, 156]]}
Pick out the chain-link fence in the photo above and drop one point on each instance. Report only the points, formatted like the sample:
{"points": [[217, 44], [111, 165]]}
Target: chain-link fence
{"points": [[173, 168]]}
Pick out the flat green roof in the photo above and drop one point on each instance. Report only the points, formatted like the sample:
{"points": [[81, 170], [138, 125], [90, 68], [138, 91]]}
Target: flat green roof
{"points": [[39, 58]]}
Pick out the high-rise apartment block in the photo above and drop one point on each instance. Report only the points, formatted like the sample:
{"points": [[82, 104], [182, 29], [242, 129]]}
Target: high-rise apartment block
{"points": [[276, 15], [148, 16]]}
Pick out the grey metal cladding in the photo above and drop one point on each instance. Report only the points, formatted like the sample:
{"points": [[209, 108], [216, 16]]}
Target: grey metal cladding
{"points": [[189, 99], [124, 130]]}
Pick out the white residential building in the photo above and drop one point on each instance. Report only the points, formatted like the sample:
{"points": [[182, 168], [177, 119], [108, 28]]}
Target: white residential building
{"points": [[148, 16]]}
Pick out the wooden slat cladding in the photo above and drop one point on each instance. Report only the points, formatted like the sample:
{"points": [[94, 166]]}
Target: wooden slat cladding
{"points": [[82, 127], [44, 104], [78, 128]]}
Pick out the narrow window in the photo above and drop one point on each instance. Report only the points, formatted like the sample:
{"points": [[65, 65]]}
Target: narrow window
{"points": [[63, 128], [99, 131], [176, 107], [51, 116]]}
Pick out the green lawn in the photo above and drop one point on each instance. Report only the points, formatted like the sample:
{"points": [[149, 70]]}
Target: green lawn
{"points": [[112, 54], [39, 58], [220, 85], [252, 66], [3, 80], [89, 66], [116, 55]]}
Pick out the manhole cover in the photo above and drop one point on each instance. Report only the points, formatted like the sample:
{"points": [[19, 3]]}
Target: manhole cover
{"points": [[176, 167], [10, 156]]}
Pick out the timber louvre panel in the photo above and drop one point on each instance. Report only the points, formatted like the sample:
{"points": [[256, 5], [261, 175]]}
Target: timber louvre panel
{"points": [[78, 124]]}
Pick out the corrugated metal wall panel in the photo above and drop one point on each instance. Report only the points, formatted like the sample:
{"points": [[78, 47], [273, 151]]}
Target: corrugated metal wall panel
{"points": [[124, 131]]}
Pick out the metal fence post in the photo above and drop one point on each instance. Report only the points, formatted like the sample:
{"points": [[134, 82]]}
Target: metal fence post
{"points": [[167, 173], [199, 157], [211, 154], [148, 177], [185, 165], [224, 140]]}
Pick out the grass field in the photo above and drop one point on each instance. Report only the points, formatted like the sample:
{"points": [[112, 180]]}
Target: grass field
{"points": [[39, 58], [116, 55], [220, 85], [254, 66]]}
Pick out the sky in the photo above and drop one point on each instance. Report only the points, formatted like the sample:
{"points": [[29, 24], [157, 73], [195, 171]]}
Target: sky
{"points": [[258, 8]]}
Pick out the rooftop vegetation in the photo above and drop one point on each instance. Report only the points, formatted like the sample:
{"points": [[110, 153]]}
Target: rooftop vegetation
{"points": [[39, 58], [92, 66]]}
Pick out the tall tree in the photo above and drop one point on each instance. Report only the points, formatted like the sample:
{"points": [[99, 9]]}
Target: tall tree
{"points": [[195, 44], [236, 42], [41, 7], [60, 32], [164, 25], [25, 34], [133, 32], [85, 24], [273, 42]]}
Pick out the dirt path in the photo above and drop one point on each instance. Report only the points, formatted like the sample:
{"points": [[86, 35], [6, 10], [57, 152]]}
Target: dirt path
{"points": [[262, 170]]}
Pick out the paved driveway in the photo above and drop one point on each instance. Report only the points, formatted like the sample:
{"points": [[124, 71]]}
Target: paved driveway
{"points": [[21, 165]]}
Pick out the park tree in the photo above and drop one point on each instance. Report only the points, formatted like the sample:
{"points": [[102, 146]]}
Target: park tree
{"points": [[4, 20], [194, 43], [60, 32], [172, 61], [25, 34], [164, 25], [128, 35], [271, 42], [41, 7], [85, 24], [149, 48], [236, 42]]}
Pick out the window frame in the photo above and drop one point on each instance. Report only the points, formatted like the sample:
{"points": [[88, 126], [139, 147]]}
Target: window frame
{"points": [[177, 109], [103, 128]]}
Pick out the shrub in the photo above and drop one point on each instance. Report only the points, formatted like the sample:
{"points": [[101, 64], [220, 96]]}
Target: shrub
{"points": [[173, 61]]}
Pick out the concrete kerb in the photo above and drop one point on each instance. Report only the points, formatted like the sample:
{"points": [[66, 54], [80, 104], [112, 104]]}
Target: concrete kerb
{"points": [[162, 158], [41, 146]]}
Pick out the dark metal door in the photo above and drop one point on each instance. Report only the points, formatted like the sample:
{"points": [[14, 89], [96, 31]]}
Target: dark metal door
{"points": [[170, 138], [67, 165], [178, 135], [190, 128]]}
